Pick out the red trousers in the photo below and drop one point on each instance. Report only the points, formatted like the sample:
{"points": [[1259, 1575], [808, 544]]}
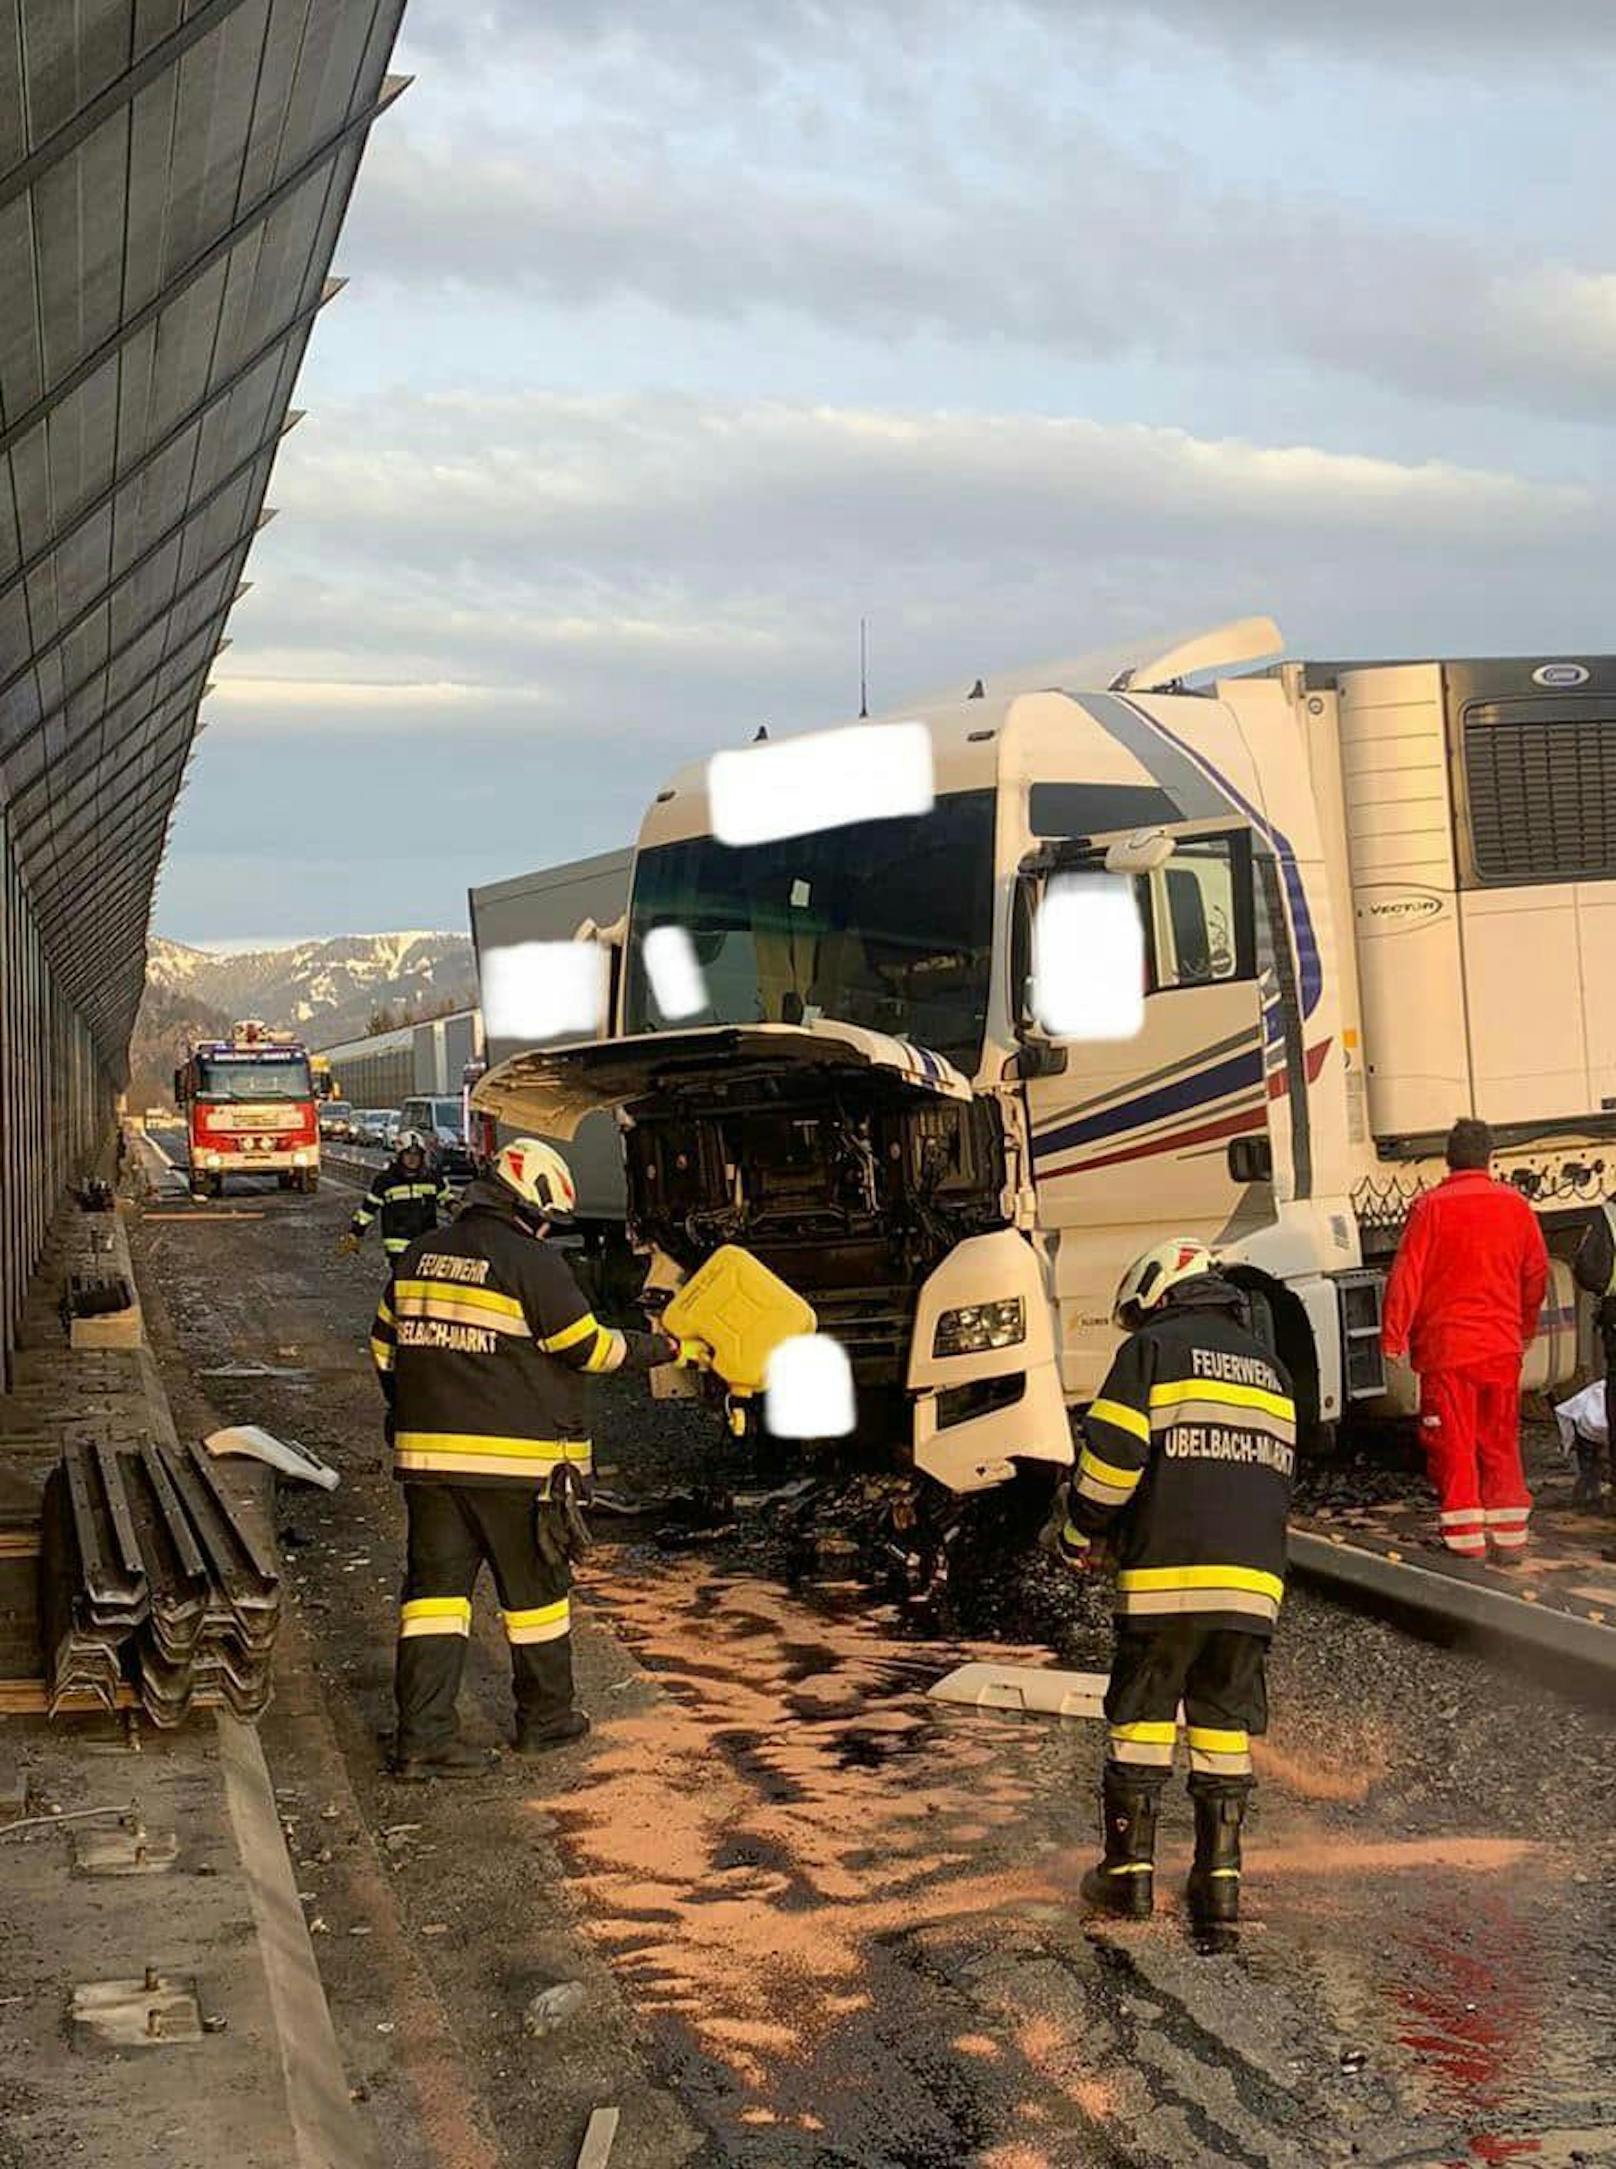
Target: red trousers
{"points": [[1470, 1422]]}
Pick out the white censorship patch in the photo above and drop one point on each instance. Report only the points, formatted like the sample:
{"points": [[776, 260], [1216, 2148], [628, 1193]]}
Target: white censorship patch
{"points": [[829, 779], [539, 990], [1088, 958], [675, 974], [810, 1389]]}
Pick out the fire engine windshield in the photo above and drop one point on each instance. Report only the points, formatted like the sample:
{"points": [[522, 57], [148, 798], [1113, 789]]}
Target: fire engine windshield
{"points": [[253, 1077], [885, 924]]}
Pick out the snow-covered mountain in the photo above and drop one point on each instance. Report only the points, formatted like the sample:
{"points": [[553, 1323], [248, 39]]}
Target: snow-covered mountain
{"points": [[325, 990]]}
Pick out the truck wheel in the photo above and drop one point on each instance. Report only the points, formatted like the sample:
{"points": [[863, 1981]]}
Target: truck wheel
{"points": [[311, 1181], [215, 1186], [283, 1182]]}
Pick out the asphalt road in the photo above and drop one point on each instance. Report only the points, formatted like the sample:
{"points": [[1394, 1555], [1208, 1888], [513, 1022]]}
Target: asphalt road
{"points": [[823, 1921]]}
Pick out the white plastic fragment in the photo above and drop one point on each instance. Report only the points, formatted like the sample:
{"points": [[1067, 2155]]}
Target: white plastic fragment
{"points": [[827, 779], [539, 990], [279, 1453], [1088, 959], [596, 2151], [671, 964], [1034, 1689], [1050, 1692], [809, 1389], [552, 2007]]}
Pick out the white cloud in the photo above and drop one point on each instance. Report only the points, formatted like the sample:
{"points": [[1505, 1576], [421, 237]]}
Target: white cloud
{"points": [[284, 695], [749, 168], [1070, 242], [709, 563], [743, 39]]}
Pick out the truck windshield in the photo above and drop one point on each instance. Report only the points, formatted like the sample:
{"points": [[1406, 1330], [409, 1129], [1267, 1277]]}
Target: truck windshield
{"points": [[253, 1077], [885, 924]]}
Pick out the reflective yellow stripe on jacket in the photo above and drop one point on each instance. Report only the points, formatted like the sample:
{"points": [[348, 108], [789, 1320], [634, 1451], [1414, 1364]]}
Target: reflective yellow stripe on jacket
{"points": [[1160, 1592], [1214, 1400], [453, 1302], [464, 1453], [1103, 1481], [600, 1348]]}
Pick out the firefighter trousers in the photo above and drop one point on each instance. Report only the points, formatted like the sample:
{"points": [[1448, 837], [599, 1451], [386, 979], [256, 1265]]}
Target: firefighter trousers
{"points": [[453, 1528], [1470, 1424], [1217, 1673]]}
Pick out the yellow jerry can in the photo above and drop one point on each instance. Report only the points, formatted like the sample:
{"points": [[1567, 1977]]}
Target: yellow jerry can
{"points": [[742, 1311]]}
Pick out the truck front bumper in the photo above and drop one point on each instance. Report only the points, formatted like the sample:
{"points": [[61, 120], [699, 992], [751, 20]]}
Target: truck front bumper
{"points": [[980, 1450], [209, 1160]]}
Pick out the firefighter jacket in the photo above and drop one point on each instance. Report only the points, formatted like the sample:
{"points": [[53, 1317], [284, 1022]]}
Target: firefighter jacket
{"points": [[1469, 1278], [484, 1344], [408, 1204], [1186, 1461]]}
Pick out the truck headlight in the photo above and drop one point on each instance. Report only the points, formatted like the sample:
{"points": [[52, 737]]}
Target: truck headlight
{"points": [[977, 1327]]}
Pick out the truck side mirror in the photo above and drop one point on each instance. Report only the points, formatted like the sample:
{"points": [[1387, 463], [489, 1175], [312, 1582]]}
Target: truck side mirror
{"points": [[179, 1088], [1038, 1058]]}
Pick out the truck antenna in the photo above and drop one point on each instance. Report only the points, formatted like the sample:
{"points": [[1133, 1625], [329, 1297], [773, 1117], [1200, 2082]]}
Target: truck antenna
{"points": [[864, 667]]}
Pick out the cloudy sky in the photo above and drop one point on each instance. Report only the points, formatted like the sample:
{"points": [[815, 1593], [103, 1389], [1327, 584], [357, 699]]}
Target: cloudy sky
{"points": [[678, 337]]}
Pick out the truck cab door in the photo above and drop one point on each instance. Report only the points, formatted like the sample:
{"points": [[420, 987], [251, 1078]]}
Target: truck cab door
{"points": [[1167, 1133]]}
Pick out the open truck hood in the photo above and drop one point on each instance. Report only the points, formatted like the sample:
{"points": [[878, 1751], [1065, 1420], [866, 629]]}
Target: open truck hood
{"points": [[552, 1089]]}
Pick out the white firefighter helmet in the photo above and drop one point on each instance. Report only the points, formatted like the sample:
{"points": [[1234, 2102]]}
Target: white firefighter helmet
{"points": [[1154, 1273], [539, 1176], [410, 1141]]}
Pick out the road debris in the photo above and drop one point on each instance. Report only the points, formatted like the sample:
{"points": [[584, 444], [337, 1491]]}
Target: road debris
{"points": [[596, 2150], [287, 1456], [1024, 1687], [152, 2012], [552, 2007]]}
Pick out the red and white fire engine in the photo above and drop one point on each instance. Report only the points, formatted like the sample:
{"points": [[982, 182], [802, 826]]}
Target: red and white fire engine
{"points": [[250, 1109]]}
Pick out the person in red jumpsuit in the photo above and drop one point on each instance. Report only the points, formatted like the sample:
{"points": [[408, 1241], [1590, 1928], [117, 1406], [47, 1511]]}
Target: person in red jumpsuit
{"points": [[1462, 1304]]}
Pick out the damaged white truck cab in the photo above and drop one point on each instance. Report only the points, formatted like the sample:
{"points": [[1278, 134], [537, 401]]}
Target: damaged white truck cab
{"points": [[866, 1101]]}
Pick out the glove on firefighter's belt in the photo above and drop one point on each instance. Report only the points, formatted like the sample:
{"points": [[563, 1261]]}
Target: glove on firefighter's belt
{"points": [[560, 1530]]}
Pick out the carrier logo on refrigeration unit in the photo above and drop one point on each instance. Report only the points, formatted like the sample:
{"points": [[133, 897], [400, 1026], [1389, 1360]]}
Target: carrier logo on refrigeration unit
{"points": [[1559, 675], [1390, 909]]}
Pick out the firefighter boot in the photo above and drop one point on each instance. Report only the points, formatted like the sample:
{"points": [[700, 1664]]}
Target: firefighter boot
{"points": [[453, 1759], [1213, 1889], [1124, 1881], [537, 1738], [546, 1715]]}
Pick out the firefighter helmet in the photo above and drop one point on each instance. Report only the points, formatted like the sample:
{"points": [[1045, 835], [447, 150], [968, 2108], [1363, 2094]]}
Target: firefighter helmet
{"points": [[410, 1141], [1154, 1273], [540, 1178]]}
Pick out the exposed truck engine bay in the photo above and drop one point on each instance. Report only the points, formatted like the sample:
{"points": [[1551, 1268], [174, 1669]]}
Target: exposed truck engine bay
{"points": [[851, 1185]]}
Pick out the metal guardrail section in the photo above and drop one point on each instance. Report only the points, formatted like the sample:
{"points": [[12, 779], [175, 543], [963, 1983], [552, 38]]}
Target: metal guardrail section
{"points": [[151, 1576], [1530, 1611]]}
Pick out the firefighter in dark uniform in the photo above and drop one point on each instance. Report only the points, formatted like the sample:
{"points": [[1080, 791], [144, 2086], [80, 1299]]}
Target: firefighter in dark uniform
{"points": [[1185, 1465], [484, 1344], [408, 1194]]}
